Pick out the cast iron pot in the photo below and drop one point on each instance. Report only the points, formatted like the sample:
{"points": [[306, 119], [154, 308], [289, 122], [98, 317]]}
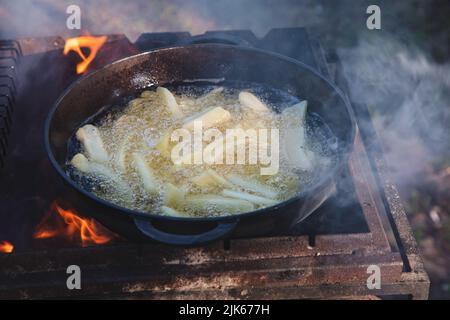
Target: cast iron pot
{"points": [[129, 76]]}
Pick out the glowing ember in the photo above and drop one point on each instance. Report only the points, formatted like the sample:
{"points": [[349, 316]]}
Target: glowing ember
{"points": [[6, 247], [72, 227], [75, 44]]}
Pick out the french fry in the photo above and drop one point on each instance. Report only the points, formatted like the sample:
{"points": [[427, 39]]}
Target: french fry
{"points": [[296, 114], [83, 164], [80, 162], [211, 178], [300, 158], [172, 212], [294, 137], [163, 145], [174, 197], [250, 101], [150, 183], [206, 202], [293, 124], [209, 118], [92, 142], [253, 185], [169, 100], [249, 197], [211, 95]]}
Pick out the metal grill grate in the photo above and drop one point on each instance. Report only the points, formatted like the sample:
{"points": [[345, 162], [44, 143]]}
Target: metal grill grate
{"points": [[10, 53]]}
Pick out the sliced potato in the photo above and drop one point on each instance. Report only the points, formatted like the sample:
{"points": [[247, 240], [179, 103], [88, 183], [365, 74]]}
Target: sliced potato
{"points": [[163, 145], [249, 197], [169, 100], [210, 97], [209, 118], [294, 137], [172, 212], [299, 157], [211, 178], [296, 114], [82, 163], [253, 185], [92, 142], [293, 124], [151, 185], [174, 197], [250, 101], [208, 202]]}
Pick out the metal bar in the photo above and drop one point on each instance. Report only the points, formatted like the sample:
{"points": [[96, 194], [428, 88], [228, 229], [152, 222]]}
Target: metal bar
{"points": [[366, 191], [12, 45], [10, 54], [11, 81], [156, 276]]}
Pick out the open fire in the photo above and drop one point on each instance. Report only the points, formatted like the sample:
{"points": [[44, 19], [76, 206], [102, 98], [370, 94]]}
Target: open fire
{"points": [[64, 223], [92, 43], [6, 247]]}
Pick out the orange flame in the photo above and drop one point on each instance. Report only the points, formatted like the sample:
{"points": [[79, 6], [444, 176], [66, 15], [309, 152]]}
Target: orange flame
{"points": [[75, 44], [72, 227], [6, 247]]}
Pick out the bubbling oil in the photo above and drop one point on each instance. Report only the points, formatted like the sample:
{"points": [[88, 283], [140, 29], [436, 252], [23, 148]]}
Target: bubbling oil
{"points": [[144, 123]]}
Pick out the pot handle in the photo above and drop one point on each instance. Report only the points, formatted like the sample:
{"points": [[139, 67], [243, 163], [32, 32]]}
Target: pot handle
{"points": [[221, 230]]}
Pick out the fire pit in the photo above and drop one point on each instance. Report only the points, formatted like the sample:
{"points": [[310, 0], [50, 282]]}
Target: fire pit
{"points": [[327, 256]]}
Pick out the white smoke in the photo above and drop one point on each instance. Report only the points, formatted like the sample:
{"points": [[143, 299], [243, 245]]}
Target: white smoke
{"points": [[407, 95]]}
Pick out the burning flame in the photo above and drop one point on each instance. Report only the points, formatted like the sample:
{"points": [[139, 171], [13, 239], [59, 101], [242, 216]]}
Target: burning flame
{"points": [[75, 44], [72, 227], [6, 247]]}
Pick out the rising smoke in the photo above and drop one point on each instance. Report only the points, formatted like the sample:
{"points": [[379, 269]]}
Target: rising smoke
{"points": [[407, 95]]}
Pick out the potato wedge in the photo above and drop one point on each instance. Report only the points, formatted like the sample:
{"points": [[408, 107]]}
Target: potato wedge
{"points": [[294, 137], [92, 142], [249, 197], [296, 114], [209, 118], [151, 185], [299, 157], [253, 185], [211, 95], [211, 178], [163, 145], [169, 100], [207, 202], [81, 163], [174, 197], [172, 212], [251, 102]]}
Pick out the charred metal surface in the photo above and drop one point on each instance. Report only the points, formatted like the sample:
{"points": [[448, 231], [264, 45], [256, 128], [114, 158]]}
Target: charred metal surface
{"points": [[10, 53]]}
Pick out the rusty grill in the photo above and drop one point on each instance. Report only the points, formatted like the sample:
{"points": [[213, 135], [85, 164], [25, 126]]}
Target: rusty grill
{"points": [[327, 256], [10, 53]]}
